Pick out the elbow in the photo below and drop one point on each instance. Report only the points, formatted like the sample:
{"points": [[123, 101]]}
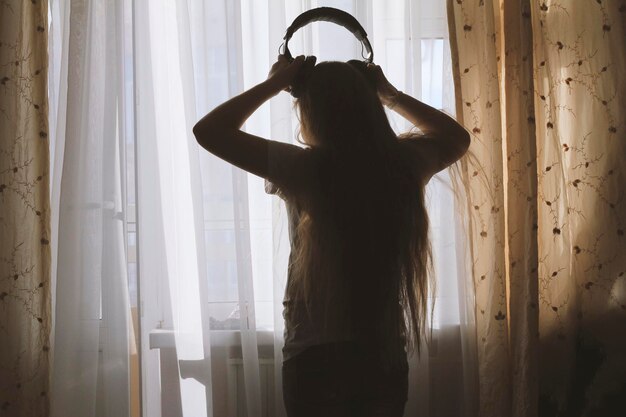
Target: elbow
{"points": [[197, 131], [460, 145], [209, 136], [459, 140], [202, 134]]}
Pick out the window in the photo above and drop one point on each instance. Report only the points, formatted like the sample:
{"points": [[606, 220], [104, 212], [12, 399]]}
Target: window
{"points": [[418, 67]]}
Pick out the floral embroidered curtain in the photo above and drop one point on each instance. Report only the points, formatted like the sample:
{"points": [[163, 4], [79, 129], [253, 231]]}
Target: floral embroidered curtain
{"points": [[24, 210], [540, 84]]}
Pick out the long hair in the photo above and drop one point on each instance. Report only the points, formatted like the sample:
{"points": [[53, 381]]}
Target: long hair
{"points": [[363, 254]]}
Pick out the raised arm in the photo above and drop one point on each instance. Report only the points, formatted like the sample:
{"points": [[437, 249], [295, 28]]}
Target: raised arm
{"points": [[445, 140], [219, 131]]}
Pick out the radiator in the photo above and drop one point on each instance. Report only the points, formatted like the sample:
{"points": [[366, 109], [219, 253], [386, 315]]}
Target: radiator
{"points": [[237, 388]]}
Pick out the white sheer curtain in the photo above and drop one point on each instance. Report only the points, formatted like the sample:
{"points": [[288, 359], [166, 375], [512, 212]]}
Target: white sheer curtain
{"points": [[91, 344], [212, 245]]}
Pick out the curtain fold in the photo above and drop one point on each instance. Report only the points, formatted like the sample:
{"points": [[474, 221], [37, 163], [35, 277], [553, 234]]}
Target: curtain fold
{"points": [[580, 97], [25, 316], [91, 332], [520, 148], [540, 86], [474, 40]]}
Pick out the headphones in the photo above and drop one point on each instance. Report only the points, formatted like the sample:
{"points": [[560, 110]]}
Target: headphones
{"points": [[339, 17]]}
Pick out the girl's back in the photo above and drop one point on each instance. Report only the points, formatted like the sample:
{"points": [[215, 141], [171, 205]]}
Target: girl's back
{"points": [[349, 214]]}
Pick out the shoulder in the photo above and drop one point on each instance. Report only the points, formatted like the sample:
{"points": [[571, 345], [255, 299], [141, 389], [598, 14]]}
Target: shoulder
{"points": [[291, 169], [438, 151], [282, 152], [419, 155]]}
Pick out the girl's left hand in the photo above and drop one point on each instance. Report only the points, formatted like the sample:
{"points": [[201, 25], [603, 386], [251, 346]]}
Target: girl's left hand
{"points": [[283, 72]]}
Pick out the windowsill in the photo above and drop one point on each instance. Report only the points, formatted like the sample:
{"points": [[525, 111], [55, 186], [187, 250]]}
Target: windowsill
{"points": [[165, 338]]}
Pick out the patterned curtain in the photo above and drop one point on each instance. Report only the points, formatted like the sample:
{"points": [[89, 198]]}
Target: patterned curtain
{"points": [[540, 84], [24, 210]]}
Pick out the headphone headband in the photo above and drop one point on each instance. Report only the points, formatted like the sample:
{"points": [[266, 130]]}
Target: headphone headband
{"points": [[329, 14]]}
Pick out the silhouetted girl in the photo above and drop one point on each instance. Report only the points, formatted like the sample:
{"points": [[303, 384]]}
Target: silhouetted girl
{"points": [[358, 279]]}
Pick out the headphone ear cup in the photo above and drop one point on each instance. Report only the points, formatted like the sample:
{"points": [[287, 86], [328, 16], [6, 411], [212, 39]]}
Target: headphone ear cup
{"points": [[362, 67], [302, 76], [310, 60]]}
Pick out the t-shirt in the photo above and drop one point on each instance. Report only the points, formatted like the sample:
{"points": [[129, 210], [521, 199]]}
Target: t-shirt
{"points": [[293, 173]]}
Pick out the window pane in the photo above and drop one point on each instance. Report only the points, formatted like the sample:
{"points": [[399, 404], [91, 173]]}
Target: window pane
{"points": [[432, 72]]}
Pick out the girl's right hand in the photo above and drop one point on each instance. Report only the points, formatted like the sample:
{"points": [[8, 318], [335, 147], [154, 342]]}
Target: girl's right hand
{"points": [[386, 91], [283, 71]]}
